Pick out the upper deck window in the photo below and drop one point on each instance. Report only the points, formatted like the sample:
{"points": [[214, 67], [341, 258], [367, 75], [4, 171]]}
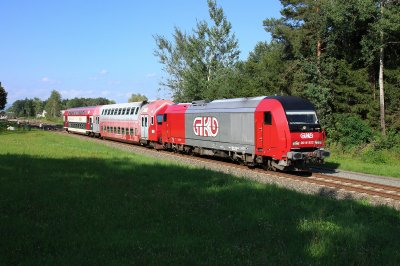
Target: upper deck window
{"points": [[128, 110], [132, 110], [137, 109], [302, 117], [119, 111], [123, 111]]}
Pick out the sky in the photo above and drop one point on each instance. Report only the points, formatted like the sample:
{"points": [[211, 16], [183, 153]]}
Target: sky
{"points": [[105, 48]]}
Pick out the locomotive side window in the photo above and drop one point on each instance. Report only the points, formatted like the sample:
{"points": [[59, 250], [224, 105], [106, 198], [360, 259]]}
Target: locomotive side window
{"points": [[165, 117], [267, 118], [159, 119], [152, 120]]}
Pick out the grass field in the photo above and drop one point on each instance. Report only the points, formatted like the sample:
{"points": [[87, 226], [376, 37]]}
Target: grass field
{"points": [[65, 201], [384, 163]]}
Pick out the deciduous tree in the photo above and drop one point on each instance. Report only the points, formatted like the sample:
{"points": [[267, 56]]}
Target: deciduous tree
{"points": [[3, 97]]}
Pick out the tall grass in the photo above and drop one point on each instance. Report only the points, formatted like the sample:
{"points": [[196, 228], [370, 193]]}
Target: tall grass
{"points": [[364, 159], [65, 201]]}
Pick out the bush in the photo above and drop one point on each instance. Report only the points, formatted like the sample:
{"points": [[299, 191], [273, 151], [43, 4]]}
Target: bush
{"points": [[392, 140], [370, 155], [353, 131]]}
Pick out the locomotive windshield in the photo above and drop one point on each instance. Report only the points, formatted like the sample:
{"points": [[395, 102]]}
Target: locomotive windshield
{"points": [[302, 117]]}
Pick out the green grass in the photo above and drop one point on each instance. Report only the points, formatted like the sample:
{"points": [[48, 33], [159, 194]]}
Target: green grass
{"points": [[364, 160], [65, 201]]}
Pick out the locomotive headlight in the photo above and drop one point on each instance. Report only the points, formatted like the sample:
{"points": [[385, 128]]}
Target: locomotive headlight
{"points": [[295, 143], [318, 142]]}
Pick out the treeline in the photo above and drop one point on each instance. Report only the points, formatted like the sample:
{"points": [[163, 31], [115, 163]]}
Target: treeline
{"points": [[343, 56], [53, 105]]}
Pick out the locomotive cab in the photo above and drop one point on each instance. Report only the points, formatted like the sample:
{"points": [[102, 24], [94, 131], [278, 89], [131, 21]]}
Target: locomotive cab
{"points": [[289, 133]]}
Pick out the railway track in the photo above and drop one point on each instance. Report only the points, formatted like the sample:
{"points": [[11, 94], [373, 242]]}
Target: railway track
{"points": [[369, 188]]}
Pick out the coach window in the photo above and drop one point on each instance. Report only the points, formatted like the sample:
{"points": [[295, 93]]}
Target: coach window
{"points": [[267, 118], [135, 131], [123, 111], [119, 111], [122, 130], [127, 111], [137, 110], [159, 119], [115, 130]]}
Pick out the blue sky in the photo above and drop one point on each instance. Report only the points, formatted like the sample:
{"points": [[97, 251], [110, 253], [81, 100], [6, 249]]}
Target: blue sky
{"points": [[104, 48]]}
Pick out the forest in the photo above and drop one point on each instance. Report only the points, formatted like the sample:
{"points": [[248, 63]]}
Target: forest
{"points": [[343, 56]]}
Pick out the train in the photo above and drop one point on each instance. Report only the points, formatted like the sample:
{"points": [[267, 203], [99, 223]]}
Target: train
{"points": [[274, 132]]}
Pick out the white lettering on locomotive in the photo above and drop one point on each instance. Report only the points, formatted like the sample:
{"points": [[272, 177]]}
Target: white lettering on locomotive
{"points": [[306, 135], [205, 126]]}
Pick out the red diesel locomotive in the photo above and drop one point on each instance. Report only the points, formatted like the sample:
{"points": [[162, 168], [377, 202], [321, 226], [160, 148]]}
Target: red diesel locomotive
{"points": [[276, 132]]}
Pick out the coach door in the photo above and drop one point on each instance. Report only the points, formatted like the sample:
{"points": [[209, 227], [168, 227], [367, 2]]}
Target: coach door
{"points": [[145, 127], [96, 124], [91, 123]]}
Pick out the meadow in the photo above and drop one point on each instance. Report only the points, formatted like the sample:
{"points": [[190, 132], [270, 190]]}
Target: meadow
{"points": [[64, 201]]}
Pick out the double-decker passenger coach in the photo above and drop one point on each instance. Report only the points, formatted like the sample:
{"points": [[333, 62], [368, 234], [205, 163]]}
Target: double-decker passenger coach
{"points": [[82, 120]]}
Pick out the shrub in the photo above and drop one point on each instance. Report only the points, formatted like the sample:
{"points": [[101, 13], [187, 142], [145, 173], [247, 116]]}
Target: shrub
{"points": [[353, 131], [370, 155]]}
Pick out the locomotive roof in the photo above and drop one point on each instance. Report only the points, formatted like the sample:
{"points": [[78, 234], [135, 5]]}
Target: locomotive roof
{"points": [[250, 103], [293, 102]]}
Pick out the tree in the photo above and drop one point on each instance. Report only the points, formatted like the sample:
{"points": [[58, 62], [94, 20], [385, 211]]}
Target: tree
{"points": [[37, 106], [137, 98], [53, 106], [200, 64], [383, 33], [3, 97]]}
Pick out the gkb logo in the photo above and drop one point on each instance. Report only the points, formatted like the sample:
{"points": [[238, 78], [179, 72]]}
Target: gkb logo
{"points": [[205, 126], [306, 135]]}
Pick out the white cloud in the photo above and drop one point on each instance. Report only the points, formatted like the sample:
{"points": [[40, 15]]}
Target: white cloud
{"points": [[104, 72], [119, 95], [77, 93], [114, 82], [150, 75], [51, 80], [105, 93]]}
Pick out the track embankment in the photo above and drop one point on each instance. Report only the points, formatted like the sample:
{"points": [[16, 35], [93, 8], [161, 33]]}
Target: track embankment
{"points": [[308, 183]]}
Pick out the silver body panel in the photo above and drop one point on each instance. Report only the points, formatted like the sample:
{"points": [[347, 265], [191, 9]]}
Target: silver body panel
{"points": [[235, 124]]}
